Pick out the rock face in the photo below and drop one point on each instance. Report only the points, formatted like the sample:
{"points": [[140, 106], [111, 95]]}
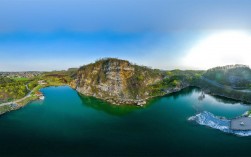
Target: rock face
{"points": [[116, 81]]}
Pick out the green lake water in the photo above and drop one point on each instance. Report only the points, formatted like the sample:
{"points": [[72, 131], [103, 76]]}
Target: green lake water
{"points": [[68, 124]]}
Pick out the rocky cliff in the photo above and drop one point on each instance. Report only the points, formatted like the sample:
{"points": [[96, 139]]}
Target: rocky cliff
{"points": [[116, 81]]}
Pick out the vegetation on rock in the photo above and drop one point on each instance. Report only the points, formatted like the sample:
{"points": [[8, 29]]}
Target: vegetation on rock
{"points": [[231, 81], [121, 82], [117, 81], [236, 76], [11, 89]]}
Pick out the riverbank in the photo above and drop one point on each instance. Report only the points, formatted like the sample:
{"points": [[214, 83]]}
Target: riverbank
{"points": [[216, 89], [16, 104], [33, 95]]}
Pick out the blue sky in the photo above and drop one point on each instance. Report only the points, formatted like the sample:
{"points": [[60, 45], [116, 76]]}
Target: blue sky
{"points": [[54, 35]]}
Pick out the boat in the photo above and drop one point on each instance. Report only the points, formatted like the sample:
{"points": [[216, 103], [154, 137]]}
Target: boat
{"points": [[202, 96], [41, 97]]}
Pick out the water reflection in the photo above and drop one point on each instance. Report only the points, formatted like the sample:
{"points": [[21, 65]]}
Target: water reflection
{"points": [[228, 100], [191, 95], [184, 92], [106, 107]]}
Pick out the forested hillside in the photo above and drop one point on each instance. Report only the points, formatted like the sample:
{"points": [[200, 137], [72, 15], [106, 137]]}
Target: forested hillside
{"points": [[236, 76]]}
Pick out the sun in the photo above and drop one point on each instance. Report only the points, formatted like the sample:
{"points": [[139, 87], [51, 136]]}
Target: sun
{"points": [[229, 47]]}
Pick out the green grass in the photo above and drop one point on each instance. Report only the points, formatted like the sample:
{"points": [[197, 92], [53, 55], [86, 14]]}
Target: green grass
{"points": [[20, 79], [13, 90], [37, 88]]}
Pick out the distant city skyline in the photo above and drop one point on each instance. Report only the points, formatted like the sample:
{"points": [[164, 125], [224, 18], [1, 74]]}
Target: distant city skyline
{"points": [[45, 35]]}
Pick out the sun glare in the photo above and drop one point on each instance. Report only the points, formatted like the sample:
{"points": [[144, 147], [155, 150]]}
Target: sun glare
{"points": [[231, 47]]}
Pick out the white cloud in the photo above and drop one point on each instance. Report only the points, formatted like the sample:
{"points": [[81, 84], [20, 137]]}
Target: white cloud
{"points": [[223, 48]]}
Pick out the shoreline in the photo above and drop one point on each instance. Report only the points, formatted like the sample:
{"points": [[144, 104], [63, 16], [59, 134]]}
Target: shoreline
{"points": [[19, 103], [15, 105]]}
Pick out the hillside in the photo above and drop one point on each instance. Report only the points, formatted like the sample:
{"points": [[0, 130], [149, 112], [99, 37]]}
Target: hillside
{"points": [[235, 76], [12, 88], [117, 81], [121, 82], [231, 81], [175, 80]]}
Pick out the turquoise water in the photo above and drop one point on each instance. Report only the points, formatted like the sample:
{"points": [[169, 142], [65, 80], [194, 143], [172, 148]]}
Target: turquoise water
{"points": [[67, 124]]}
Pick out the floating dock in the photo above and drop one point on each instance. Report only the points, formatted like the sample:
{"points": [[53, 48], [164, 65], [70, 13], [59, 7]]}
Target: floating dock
{"points": [[241, 123]]}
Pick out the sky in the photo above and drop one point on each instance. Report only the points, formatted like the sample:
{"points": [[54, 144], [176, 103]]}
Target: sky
{"points": [[47, 35]]}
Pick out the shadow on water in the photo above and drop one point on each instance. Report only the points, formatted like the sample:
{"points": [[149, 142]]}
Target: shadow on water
{"points": [[184, 92], [191, 95], [222, 99], [122, 110], [116, 110]]}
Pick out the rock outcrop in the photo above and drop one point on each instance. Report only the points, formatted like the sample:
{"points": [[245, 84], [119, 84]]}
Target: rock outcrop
{"points": [[116, 81]]}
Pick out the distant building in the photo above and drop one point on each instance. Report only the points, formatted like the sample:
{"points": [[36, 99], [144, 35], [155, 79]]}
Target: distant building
{"points": [[40, 95]]}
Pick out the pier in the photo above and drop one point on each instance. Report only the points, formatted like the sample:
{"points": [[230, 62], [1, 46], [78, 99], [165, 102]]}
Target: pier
{"points": [[241, 123]]}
